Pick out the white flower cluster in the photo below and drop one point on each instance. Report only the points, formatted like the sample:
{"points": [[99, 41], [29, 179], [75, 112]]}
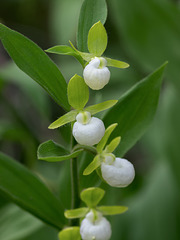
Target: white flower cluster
{"points": [[95, 227]]}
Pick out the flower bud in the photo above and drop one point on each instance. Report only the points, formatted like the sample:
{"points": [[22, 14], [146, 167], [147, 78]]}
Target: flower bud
{"points": [[118, 174], [96, 74], [95, 227], [88, 130]]}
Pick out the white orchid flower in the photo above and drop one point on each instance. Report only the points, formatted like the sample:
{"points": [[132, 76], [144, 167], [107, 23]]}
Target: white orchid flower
{"points": [[96, 74], [117, 172], [88, 130], [95, 227]]}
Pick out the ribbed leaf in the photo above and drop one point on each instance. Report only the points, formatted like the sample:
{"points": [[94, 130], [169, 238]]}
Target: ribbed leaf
{"points": [[26, 190]]}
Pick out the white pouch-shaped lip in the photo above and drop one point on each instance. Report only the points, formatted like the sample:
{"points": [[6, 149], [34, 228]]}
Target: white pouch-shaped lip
{"points": [[118, 174], [99, 229], [89, 132], [96, 74]]}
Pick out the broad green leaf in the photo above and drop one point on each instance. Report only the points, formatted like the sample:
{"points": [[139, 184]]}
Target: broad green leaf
{"points": [[91, 12], [76, 213], [66, 118], [78, 92], [135, 110], [92, 196], [112, 210], [16, 224], [113, 145], [106, 136], [34, 62], [93, 165], [52, 152], [116, 63], [70, 233], [97, 39], [26, 190], [100, 106], [66, 50]]}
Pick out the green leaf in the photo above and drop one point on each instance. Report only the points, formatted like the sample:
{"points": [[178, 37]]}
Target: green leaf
{"points": [[92, 196], [106, 136], [52, 152], [26, 190], [66, 50], [76, 213], [78, 92], [112, 210], [113, 145], [97, 39], [91, 12], [34, 62], [93, 165], [116, 63], [100, 106], [66, 118], [136, 109], [70, 233]]}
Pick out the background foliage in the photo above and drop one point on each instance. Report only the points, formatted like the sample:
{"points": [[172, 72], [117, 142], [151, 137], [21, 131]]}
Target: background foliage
{"points": [[144, 33]]}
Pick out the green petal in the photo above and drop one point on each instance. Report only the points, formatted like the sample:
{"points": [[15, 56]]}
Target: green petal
{"points": [[78, 92], [93, 165], [92, 196], [100, 106], [97, 39], [113, 145], [116, 63], [104, 139], [76, 213], [67, 118], [112, 210]]}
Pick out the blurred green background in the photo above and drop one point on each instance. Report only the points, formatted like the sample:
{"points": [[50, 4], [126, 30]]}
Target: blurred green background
{"points": [[144, 33]]}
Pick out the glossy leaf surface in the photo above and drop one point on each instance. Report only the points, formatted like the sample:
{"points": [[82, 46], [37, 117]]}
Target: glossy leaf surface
{"points": [[52, 152], [136, 109], [34, 62], [26, 190]]}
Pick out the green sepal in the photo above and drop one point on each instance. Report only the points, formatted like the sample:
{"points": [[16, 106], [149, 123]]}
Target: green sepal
{"points": [[93, 165], [70, 233], [97, 39], [100, 106], [76, 213], [52, 152], [66, 50], [78, 92], [116, 63], [86, 56], [66, 118], [112, 210], [104, 139], [113, 145], [92, 196]]}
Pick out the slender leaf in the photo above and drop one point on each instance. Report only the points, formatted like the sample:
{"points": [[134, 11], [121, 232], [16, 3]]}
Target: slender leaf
{"points": [[52, 152], [112, 210], [66, 118], [92, 196], [113, 145], [100, 106], [71, 233], [106, 136], [78, 92], [92, 11], [26, 190], [76, 213], [97, 39], [66, 50], [135, 110], [116, 63], [35, 63], [93, 165]]}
